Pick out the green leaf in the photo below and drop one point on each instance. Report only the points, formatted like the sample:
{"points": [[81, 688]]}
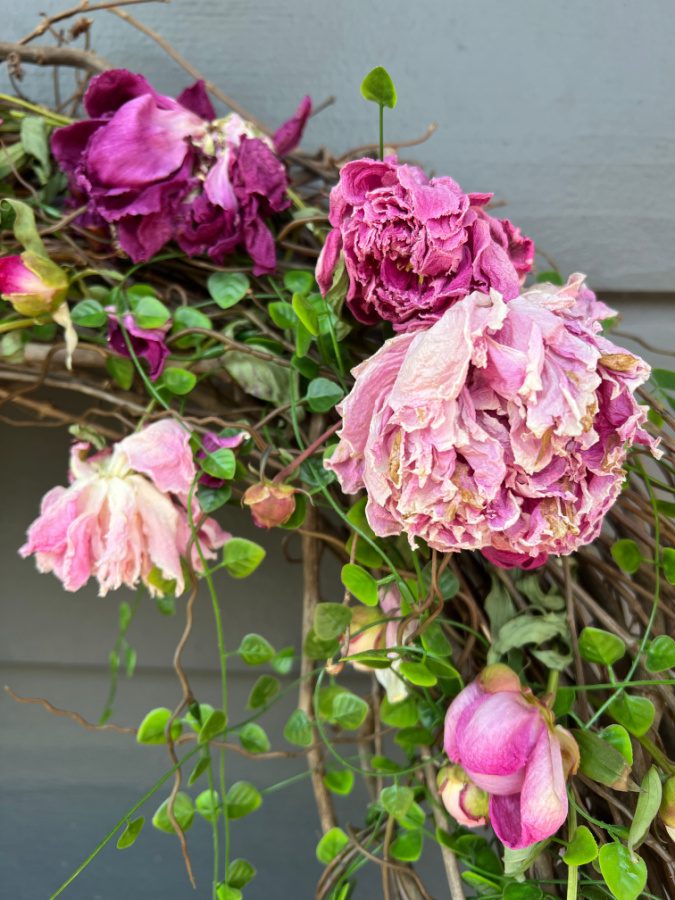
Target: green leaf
{"points": [[447, 582], [417, 673], [647, 807], [152, 728], [207, 804], [34, 140], [660, 654], [618, 737], [303, 340], [360, 584], [130, 833], [636, 714], [183, 812], [185, 318], [330, 845], [599, 646], [199, 770], [211, 499], [407, 847], [522, 891], [214, 725], [282, 314], [409, 738], [668, 558], [666, 508], [552, 276], [255, 650], [384, 765], [564, 701], [582, 849], [242, 557], [260, 378], [149, 312], [625, 873], [308, 316], [397, 799], [330, 620], [655, 418], [224, 891], [221, 463], [435, 642], [197, 714], [315, 648], [339, 781], [627, 555], [517, 862], [349, 711], [89, 314], [528, 629], [323, 394], [227, 288], [299, 281], [665, 379], [121, 370], [263, 691], [242, 799], [254, 738], [239, 873], [282, 663], [399, 715], [378, 87], [298, 729], [600, 761], [180, 382]]}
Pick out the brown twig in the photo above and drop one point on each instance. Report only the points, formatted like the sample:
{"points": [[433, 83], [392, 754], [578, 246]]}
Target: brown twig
{"points": [[72, 57]]}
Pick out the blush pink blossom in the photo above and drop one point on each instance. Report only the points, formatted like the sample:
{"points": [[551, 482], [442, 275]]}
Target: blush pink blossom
{"points": [[506, 741], [123, 518], [413, 245], [502, 428]]}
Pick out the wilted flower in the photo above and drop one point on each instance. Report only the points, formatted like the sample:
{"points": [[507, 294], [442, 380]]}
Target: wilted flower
{"points": [[271, 504], [413, 246], [123, 518], [507, 742], [160, 168], [376, 628], [465, 802], [503, 427], [147, 343], [33, 284]]}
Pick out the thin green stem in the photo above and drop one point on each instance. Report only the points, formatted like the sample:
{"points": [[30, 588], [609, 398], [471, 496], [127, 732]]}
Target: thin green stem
{"points": [[572, 871], [47, 114], [127, 815], [381, 131]]}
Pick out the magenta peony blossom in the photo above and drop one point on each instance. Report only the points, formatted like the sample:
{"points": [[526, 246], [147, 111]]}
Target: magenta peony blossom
{"points": [[413, 246], [123, 518], [507, 743], [162, 169], [147, 343], [503, 427]]}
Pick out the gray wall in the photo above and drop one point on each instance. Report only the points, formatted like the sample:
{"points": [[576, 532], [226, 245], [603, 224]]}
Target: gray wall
{"points": [[564, 109]]}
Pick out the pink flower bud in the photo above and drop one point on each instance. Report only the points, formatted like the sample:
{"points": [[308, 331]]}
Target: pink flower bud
{"points": [[465, 802], [667, 808], [271, 504], [506, 741], [33, 284]]}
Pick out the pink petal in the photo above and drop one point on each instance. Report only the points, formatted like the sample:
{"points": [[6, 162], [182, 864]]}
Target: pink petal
{"points": [[162, 452]]}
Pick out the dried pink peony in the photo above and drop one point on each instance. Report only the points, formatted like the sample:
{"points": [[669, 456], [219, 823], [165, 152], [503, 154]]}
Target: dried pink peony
{"points": [[502, 428], [466, 803], [413, 246], [160, 168], [123, 518], [271, 504], [507, 743]]}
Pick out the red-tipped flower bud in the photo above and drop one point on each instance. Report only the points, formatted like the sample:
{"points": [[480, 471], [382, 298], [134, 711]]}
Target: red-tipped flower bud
{"points": [[271, 504]]}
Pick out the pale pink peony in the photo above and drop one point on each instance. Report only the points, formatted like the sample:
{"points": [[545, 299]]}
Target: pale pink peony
{"points": [[503, 427], [413, 245], [465, 801], [123, 518], [507, 743]]}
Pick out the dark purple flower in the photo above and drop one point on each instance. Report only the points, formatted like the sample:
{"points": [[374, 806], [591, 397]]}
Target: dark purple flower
{"points": [[148, 343], [161, 169]]}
